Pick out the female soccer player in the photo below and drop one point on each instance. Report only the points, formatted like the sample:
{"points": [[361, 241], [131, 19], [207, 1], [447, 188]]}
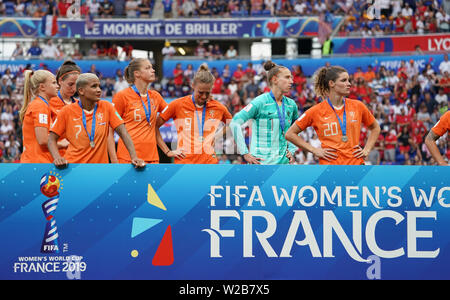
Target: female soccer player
{"points": [[138, 106], [272, 114], [336, 120], [197, 118], [86, 125], [36, 116], [66, 77], [441, 127]]}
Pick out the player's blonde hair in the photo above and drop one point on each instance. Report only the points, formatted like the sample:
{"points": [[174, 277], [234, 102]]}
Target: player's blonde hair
{"points": [[84, 79], [203, 75], [322, 79], [30, 88]]}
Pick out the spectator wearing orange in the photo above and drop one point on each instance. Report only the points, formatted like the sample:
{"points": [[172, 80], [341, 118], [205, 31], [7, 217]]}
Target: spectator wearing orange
{"points": [[36, 115], [336, 120], [369, 75], [86, 125]]}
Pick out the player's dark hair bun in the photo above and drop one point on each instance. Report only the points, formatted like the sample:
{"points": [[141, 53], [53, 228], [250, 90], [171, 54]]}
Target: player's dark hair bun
{"points": [[268, 65]]}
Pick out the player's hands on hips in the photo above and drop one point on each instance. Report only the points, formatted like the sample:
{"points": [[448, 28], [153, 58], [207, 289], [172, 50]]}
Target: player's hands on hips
{"points": [[252, 159], [138, 163], [60, 163], [328, 154], [360, 152]]}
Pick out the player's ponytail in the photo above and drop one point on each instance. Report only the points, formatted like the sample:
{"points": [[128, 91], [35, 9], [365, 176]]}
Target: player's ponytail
{"points": [[133, 66], [204, 75], [31, 86], [322, 79]]}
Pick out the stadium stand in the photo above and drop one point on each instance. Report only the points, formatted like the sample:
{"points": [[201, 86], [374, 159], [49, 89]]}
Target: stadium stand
{"points": [[406, 102]]}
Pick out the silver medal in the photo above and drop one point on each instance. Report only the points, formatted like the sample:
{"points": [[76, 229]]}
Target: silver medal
{"points": [[344, 138]]}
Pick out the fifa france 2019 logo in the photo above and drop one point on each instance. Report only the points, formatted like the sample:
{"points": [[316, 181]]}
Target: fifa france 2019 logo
{"points": [[50, 186]]}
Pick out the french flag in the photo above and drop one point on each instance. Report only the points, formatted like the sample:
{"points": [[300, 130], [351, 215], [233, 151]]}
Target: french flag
{"points": [[49, 25]]}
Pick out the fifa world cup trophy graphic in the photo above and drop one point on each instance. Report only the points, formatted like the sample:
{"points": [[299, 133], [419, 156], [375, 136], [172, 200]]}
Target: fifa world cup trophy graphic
{"points": [[50, 188]]}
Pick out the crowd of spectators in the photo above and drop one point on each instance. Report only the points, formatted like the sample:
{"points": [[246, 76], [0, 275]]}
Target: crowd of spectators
{"points": [[393, 17], [406, 102], [64, 8], [50, 50], [362, 17]]}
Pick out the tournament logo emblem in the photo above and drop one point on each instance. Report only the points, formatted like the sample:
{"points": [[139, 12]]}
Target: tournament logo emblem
{"points": [[50, 186]]}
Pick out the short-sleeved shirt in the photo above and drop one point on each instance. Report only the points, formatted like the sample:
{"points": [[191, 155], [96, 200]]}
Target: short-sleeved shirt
{"points": [[129, 106], [324, 121], [443, 125], [56, 105], [187, 118], [69, 122], [38, 114]]}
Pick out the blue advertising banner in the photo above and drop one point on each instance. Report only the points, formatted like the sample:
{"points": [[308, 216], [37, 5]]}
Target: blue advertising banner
{"points": [[224, 222], [170, 28], [310, 65]]}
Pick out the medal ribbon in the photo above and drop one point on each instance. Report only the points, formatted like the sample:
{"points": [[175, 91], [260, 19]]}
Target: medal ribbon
{"points": [[91, 136], [342, 123], [62, 100], [148, 111], [42, 98], [200, 129], [281, 115]]}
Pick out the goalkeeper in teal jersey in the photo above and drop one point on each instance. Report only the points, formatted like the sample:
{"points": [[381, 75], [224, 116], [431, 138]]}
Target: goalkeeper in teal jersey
{"points": [[271, 115]]}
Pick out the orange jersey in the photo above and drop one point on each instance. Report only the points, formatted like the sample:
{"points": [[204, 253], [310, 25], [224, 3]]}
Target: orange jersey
{"points": [[324, 121], [56, 104], [69, 123], [198, 150], [129, 106], [38, 114], [443, 125]]}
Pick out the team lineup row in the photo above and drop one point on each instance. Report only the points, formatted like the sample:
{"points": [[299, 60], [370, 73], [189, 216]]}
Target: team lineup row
{"points": [[61, 129]]}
